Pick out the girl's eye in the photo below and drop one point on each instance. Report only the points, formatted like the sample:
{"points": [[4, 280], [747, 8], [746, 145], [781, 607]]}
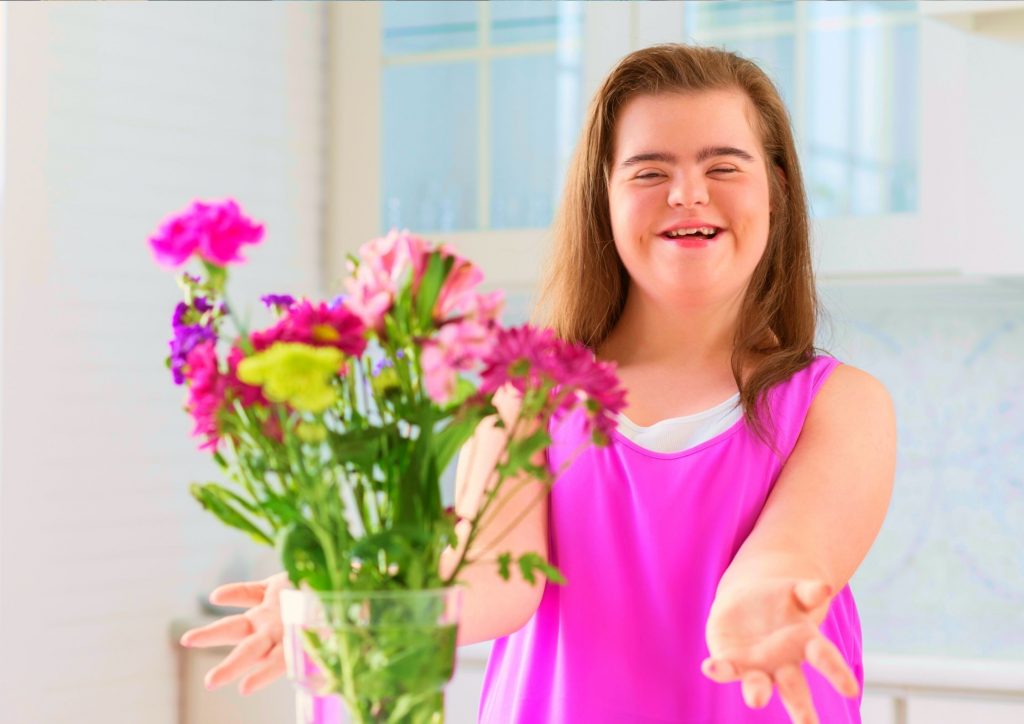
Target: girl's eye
{"points": [[650, 175], [723, 170]]}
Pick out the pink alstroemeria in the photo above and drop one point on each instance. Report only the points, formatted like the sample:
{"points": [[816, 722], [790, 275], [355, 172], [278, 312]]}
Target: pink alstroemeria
{"points": [[457, 347], [385, 264], [215, 231], [458, 291], [528, 358]]}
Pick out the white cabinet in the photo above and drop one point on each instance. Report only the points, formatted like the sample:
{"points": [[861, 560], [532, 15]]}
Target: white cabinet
{"points": [[925, 690], [995, 18], [462, 697]]}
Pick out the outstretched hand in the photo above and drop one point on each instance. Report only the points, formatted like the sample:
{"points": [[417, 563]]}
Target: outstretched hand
{"points": [[255, 633], [760, 635]]}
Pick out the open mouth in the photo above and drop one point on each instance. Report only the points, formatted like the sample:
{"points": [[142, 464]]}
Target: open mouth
{"points": [[694, 237]]}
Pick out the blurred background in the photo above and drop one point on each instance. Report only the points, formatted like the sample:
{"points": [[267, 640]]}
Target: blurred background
{"points": [[333, 122]]}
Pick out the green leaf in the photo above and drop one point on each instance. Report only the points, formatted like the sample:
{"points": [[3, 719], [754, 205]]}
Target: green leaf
{"points": [[504, 565], [464, 389], [521, 451], [530, 562], [449, 441], [222, 503], [281, 509], [438, 268], [303, 557], [363, 448]]}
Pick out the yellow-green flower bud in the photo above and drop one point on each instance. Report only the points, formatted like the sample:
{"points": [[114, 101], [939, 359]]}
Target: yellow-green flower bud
{"points": [[311, 432], [385, 381], [294, 373]]}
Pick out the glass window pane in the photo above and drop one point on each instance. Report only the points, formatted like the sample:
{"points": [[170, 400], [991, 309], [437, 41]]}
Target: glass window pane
{"points": [[862, 113], [419, 27], [827, 10], [429, 147], [523, 22], [775, 55], [709, 16], [523, 141], [906, 125]]}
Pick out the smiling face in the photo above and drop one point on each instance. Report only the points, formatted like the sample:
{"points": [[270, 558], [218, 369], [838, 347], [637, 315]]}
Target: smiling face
{"points": [[681, 160]]}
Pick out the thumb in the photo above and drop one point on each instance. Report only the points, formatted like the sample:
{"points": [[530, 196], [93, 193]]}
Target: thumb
{"points": [[811, 594]]}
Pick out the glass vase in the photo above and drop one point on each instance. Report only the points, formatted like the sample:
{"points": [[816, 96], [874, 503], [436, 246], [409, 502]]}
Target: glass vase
{"points": [[373, 656]]}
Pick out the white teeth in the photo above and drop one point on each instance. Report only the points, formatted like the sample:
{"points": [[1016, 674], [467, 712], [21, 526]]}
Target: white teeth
{"points": [[685, 232]]}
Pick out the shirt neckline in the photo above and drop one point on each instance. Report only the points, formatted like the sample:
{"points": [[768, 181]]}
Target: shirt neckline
{"points": [[720, 437], [717, 409]]}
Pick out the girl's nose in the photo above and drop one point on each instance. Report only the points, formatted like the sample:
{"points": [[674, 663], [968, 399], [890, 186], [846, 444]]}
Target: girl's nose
{"points": [[686, 192]]}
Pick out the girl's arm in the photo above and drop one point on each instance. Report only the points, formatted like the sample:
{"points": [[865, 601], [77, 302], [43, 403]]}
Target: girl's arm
{"points": [[817, 525], [491, 606]]}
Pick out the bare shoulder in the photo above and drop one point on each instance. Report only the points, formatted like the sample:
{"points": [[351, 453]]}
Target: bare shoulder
{"points": [[851, 396], [852, 415]]}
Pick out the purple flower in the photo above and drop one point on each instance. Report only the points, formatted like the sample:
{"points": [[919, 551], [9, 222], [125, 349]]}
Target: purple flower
{"points": [[188, 336], [278, 302], [199, 304]]}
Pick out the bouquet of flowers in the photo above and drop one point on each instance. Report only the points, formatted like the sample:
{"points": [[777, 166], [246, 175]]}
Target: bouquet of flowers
{"points": [[334, 425]]}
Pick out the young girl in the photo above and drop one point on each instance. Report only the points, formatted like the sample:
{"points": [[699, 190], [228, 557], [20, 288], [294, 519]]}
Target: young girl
{"points": [[708, 549]]}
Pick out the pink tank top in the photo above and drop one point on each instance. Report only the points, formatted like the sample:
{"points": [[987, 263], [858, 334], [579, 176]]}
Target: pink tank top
{"points": [[643, 539]]}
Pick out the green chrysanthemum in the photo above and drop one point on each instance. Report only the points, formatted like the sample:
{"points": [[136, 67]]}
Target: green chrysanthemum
{"points": [[294, 373]]}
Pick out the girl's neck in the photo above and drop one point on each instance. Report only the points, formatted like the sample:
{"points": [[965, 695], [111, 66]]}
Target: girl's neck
{"points": [[689, 337]]}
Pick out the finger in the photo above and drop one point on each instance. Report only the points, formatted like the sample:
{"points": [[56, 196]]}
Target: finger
{"points": [[796, 695], [823, 655], [241, 658], [229, 630], [757, 689], [811, 594], [719, 670], [239, 594], [266, 673]]}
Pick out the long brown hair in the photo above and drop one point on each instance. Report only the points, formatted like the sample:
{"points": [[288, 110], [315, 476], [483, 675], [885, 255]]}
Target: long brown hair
{"points": [[585, 283]]}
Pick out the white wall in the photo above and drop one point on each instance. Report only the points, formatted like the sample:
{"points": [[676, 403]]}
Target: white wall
{"points": [[118, 115]]}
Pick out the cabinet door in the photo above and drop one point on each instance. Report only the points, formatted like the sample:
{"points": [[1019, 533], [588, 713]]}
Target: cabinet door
{"points": [[946, 710]]}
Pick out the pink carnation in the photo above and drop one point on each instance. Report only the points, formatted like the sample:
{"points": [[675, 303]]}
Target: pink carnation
{"points": [[211, 393], [528, 358], [207, 389], [215, 231]]}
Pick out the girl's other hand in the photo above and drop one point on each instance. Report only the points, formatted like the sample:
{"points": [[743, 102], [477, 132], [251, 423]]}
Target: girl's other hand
{"points": [[256, 634], [762, 634]]}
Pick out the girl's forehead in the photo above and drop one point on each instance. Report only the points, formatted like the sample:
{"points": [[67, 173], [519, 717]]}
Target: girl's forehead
{"points": [[687, 123]]}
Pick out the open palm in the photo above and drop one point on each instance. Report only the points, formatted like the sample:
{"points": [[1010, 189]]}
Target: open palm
{"points": [[256, 634], [760, 635]]}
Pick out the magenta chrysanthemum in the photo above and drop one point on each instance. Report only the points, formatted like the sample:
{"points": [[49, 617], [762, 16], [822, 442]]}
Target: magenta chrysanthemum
{"points": [[215, 231], [530, 358], [318, 325]]}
